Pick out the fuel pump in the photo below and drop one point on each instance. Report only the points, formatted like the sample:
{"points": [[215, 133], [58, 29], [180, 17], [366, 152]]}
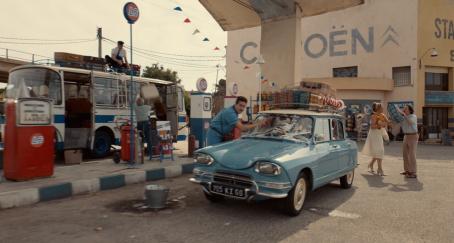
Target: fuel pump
{"points": [[201, 104], [29, 139]]}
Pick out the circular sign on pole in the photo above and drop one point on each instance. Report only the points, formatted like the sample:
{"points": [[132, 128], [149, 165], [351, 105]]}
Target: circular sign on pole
{"points": [[202, 84], [131, 12]]}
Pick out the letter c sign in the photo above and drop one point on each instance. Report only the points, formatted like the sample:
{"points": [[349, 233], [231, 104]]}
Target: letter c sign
{"points": [[243, 49]]}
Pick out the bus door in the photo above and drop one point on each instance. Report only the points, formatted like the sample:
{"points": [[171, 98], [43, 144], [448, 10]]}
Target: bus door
{"points": [[172, 109]]}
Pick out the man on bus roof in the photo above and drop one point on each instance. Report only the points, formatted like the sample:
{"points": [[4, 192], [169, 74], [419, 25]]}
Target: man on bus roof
{"points": [[118, 59]]}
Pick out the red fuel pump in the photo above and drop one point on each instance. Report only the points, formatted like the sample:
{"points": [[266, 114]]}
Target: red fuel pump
{"points": [[29, 139]]}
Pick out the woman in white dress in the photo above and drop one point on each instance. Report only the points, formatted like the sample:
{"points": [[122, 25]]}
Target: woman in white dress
{"points": [[374, 146]]}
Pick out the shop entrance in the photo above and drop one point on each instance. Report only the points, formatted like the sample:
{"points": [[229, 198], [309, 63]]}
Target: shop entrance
{"points": [[435, 119]]}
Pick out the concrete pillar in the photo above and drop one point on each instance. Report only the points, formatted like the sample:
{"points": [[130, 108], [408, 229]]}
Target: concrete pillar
{"points": [[278, 48]]}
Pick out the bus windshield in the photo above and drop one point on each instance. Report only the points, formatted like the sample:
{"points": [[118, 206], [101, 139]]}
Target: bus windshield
{"points": [[34, 82]]}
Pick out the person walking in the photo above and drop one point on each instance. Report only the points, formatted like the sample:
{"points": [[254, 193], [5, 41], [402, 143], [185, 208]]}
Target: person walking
{"points": [[374, 146], [410, 129], [225, 121]]}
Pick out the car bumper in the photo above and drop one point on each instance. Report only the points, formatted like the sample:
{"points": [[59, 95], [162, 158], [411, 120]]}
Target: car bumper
{"points": [[259, 188]]}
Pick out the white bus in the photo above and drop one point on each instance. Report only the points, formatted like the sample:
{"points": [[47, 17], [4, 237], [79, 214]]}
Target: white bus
{"points": [[89, 106]]}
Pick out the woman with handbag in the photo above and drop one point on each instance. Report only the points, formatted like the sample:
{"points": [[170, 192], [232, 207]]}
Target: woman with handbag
{"points": [[374, 143]]}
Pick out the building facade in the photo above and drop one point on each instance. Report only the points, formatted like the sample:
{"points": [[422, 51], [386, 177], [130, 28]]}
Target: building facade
{"points": [[392, 51]]}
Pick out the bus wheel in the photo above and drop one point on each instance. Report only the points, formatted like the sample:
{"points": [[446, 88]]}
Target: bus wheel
{"points": [[101, 146]]}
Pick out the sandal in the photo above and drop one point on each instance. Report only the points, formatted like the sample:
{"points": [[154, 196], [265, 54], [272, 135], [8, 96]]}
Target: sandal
{"points": [[411, 175]]}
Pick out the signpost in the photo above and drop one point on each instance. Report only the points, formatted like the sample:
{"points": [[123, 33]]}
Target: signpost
{"points": [[131, 13]]}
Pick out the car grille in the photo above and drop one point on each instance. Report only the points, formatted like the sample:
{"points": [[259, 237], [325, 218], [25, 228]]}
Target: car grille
{"points": [[232, 179]]}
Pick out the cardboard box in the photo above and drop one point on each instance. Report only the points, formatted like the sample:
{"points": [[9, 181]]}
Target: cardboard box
{"points": [[73, 156]]}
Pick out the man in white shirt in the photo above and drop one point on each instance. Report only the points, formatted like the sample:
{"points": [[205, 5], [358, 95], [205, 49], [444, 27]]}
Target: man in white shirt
{"points": [[410, 129], [118, 57]]}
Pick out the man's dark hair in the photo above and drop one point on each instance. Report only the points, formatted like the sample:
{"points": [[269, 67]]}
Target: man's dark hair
{"points": [[410, 109], [240, 99], [120, 42]]}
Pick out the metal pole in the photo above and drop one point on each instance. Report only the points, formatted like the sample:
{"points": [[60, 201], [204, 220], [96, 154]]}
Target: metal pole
{"points": [[6, 53], [33, 58], [99, 35], [260, 87], [131, 87]]}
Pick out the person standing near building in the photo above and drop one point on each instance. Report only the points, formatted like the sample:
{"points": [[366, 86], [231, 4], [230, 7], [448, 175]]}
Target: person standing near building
{"points": [[225, 121], [374, 143], [410, 129], [143, 123], [118, 58]]}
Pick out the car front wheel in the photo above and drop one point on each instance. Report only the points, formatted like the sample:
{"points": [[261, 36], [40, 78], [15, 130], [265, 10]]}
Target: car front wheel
{"points": [[296, 197], [346, 181]]}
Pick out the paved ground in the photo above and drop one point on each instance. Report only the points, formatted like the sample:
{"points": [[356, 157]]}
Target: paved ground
{"points": [[376, 209], [90, 169]]}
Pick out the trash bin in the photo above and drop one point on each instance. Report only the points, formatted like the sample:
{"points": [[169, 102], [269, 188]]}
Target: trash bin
{"points": [[156, 196]]}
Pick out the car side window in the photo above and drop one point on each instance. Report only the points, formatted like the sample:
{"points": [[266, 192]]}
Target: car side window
{"points": [[321, 130], [337, 130]]}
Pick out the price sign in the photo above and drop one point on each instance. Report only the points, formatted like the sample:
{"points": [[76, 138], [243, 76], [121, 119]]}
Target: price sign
{"points": [[131, 12], [34, 112]]}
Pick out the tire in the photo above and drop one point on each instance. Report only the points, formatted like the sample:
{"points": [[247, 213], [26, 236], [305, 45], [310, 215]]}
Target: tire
{"points": [[213, 197], [102, 144], [346, 181], [294, 202]]}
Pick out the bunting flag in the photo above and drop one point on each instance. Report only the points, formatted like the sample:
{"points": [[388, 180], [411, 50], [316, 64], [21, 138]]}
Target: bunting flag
{"points": [[246, 67], [216, 48], [206, 39], [187, 21], [264, 80], [178, 8], [196, 31]]}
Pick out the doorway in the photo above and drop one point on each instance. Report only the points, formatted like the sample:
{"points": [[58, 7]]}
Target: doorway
{"points": [[435, 119]]}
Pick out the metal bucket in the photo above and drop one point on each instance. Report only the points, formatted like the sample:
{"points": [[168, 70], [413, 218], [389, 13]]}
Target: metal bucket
{"points": [[156, 196]]}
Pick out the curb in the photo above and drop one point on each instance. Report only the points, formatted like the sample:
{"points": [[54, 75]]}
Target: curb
{"points": [[79, 187]]}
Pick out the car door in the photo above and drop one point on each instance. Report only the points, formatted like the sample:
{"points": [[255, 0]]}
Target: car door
{"points": [[338, 145], [327, 164]]}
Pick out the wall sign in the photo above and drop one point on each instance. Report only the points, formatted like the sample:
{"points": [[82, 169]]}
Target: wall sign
{"points": [[37, 140], [335, 43], [34, 112], [250, 60]]}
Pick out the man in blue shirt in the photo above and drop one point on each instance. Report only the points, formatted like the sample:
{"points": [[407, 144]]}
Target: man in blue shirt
{"points": [[410, 129], [224, 122]]}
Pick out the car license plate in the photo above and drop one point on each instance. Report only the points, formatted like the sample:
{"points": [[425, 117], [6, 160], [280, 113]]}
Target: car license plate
{"points": [[228, 191]]}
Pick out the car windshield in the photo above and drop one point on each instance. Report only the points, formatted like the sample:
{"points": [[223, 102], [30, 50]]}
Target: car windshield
{"points": [[293, 127], [34, 82]]}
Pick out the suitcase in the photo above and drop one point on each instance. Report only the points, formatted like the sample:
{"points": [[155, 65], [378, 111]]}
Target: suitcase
{"points": [[94, 60], [68, 57]]}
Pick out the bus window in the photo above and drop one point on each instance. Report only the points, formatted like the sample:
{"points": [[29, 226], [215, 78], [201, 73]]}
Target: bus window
{"points": [[181, 107], [106, 91], [122, 93], [35, 82]]}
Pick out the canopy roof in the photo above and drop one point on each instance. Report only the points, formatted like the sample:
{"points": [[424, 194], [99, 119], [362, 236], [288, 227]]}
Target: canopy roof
{"points": [[240, 14]]}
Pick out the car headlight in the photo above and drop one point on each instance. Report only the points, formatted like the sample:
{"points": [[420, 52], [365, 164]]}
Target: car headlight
{"points": [[268, 168], [203, 159]]}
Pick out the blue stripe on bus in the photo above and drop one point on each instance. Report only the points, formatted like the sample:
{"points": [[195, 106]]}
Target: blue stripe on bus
{"points": [[182, 119], [59, 118], [104, 118]]}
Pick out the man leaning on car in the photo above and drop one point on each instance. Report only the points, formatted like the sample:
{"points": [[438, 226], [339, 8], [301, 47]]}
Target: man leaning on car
{"points": [[223, 123]]}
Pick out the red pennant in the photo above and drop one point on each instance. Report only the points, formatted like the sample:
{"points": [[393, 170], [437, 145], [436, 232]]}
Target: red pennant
{"points": [[246, 67], [187, 20], [216, 48]]}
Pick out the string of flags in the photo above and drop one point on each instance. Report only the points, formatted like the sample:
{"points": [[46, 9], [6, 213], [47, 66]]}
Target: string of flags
{"points": [[196, 31]]}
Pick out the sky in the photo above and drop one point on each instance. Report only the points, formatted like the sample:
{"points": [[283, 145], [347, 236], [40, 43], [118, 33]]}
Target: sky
{"points": [[159, 29]]}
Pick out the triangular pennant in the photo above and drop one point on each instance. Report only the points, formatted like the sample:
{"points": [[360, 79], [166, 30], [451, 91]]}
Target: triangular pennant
{"points": [[196, 31], [246, 67], [216, 48], [206, 39], [187, 21], [178, 8]]}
